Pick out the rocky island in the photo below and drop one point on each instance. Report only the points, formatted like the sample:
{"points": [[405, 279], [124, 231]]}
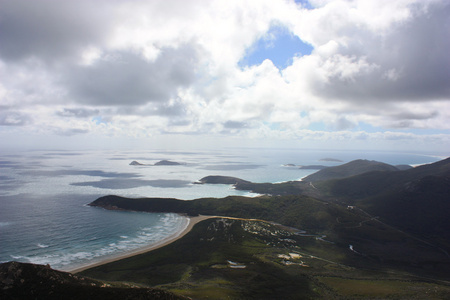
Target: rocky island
{"points": [[167, 163], [159, 163]]}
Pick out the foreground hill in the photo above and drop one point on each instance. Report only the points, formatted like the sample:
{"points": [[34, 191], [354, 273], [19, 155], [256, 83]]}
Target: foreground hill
{"points": [[30, 281], [224, 258], [378, 242]]}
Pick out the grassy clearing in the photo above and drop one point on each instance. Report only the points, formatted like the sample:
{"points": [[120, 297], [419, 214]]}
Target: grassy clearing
{"points": [[188, 265], [386, 288]]}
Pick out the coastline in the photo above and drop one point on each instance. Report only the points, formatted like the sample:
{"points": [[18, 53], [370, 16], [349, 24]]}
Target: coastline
{"points": [[191, 222]]}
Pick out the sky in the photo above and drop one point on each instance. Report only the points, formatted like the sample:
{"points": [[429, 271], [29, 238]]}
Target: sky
{"points": [[356, 74]]}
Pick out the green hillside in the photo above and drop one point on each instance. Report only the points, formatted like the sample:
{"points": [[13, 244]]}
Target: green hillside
{"points": [[416, 200], [352, 168], [244, 259]]}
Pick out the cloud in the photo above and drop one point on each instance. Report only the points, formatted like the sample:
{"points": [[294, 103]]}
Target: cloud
{"points": [[49, 29], [146, 68], [77, 112], [126, 78], [12, 118], [398, 56], [234, 125]]}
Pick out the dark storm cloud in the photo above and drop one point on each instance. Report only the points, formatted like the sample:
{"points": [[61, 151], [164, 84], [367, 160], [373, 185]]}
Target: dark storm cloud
{"points": [[126, 78], [343, 124], [78, 112], [411, 63], [415, 116], [48, 29]]}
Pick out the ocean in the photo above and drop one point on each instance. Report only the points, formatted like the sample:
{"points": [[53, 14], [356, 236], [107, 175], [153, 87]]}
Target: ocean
{"points": [[44, 217]]}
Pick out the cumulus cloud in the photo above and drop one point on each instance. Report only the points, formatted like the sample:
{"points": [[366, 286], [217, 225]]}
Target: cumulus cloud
{"points": [[49, 29], [77, 112], [126, 78], [140, 68], [399, 55], [13, 118]]}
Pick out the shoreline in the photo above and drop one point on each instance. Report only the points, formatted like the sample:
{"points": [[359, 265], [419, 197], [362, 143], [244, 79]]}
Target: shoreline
{"points": [[191, 222]]}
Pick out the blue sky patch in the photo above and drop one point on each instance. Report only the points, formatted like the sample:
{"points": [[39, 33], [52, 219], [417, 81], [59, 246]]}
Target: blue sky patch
{"points": [[279, 45], [98, 120], [305, 4]]}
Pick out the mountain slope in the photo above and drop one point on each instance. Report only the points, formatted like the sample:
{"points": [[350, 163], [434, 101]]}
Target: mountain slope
{"points": [[416, 200], [352, 168], [376, 183], [223, 258]]}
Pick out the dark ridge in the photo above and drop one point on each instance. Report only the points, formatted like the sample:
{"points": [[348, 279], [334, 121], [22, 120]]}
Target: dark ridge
{"points": [[158, 205], [352, 168], [416, 200], [284, 188], [313, 167], [403, 167], [296, 211], [30, 281]]}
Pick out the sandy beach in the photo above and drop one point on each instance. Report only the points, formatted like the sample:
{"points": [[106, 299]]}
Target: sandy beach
{"points": [[191, 222]]}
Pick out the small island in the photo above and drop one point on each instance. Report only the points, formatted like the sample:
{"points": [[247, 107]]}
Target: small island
{"points": [[167, 163], [159, 163]]}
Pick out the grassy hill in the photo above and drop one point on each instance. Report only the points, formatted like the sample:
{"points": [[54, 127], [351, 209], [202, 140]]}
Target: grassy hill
{"points": [[296, 211], [376, 242]]}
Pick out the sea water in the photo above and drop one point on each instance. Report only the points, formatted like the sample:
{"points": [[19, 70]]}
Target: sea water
{"points": [[44, 217]]}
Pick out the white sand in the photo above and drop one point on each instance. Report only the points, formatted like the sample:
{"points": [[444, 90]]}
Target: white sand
{"points": [[192, 221]]}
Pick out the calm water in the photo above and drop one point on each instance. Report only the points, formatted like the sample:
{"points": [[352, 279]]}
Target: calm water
{"points": [[43, 195]]}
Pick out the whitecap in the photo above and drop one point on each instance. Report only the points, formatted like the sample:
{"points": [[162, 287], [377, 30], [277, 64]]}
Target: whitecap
{"points": [[42, 245], [4, 224]]}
